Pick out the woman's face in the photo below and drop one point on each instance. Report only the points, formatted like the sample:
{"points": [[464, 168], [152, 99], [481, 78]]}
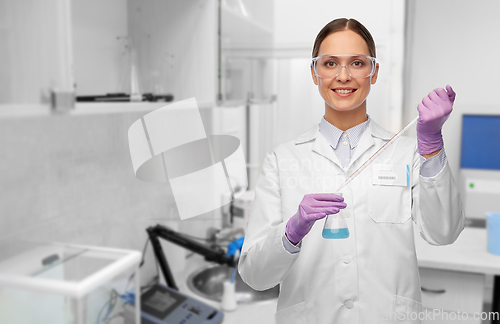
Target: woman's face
{"points": [[344, 42]]}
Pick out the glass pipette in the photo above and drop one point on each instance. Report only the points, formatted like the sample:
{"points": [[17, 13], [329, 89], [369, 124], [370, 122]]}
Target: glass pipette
{"points": [[374, 156]]}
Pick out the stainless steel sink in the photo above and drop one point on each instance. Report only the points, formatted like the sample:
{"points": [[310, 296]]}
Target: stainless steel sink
{"points": [[208, 283]]}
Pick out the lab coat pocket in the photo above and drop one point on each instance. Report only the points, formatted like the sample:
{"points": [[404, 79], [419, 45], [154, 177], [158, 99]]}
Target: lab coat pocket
{"points": [[293, 314], [389, 204], [407, 311]]}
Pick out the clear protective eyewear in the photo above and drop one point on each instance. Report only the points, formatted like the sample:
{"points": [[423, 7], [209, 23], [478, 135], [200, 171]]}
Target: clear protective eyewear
{"points": [[357, 66]]}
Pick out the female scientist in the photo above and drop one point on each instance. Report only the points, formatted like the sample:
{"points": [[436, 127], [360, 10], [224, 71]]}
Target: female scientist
{"points": [[371, 276]]}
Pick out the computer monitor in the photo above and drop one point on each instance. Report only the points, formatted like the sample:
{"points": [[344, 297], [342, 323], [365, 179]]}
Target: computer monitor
{"points": [[480, 164]]}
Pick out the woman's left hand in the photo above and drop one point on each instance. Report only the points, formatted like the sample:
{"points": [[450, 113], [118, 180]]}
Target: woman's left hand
{"points": [[433, 112]]}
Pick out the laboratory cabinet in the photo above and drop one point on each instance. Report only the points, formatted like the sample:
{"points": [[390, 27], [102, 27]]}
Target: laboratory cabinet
{"points": [[452, 292], [460, 277], [35, 51], [246, 52], [160, 48], [60, 283], [205, 49]]}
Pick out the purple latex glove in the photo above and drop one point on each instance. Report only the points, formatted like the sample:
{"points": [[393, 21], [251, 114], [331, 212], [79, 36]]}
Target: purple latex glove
{"points": [[311, 208], [432, 113]]}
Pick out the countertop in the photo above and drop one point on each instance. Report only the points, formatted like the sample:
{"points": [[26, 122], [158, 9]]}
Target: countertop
{"points": [[468, 253]]}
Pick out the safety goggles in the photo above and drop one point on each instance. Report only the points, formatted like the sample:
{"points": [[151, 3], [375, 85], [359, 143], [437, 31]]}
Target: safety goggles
{"points": [[357, 66]]}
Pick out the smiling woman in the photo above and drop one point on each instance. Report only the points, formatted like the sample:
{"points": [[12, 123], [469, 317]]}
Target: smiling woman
{"points": [[344, 90], [372, 272]]}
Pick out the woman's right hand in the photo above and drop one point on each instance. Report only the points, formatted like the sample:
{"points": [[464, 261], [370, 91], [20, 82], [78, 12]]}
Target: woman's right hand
{"points": [[311, 208]]}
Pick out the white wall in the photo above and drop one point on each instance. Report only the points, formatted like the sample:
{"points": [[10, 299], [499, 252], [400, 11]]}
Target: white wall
{"points": [[456, 43], [296, 25], [298, 22]]}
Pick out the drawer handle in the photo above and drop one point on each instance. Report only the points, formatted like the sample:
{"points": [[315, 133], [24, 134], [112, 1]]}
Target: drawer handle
{"points": [[434, 291]]}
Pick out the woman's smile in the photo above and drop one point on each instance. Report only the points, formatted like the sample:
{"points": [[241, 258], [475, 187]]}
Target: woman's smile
{"points": [[344, 91]]}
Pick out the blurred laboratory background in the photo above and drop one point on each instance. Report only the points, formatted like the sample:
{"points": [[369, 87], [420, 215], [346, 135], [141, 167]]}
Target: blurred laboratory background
{"points": [[75, 75]]}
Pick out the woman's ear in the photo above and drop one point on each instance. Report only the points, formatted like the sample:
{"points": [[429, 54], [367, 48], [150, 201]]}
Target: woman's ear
{"points": [[375, 75], [315, 78]]}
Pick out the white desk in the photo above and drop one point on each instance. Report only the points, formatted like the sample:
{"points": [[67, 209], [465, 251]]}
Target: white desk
{"points": [[467, 255]]}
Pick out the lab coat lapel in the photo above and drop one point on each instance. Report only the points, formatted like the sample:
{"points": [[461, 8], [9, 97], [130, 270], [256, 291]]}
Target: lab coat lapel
{"points": [[320, 144], [323, 148], [367, 141]]}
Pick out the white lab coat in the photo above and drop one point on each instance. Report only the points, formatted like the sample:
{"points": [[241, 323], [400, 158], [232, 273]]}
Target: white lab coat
{"points": [[368, 277]]}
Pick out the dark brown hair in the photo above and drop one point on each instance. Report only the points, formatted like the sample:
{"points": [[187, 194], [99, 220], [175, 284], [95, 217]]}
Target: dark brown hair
{"points": [[341, 24]]}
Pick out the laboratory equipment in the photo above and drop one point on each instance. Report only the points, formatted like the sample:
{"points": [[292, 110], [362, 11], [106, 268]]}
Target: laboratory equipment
{"points": [[210, 254], [229, 297], [61, 283], [164, 305], [493, 232], [181, 309], [480, 165], [335, 226], [208, 282], [239, 210]]}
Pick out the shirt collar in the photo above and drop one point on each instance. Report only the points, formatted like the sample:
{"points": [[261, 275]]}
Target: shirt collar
{"points": [[332, 134]]}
